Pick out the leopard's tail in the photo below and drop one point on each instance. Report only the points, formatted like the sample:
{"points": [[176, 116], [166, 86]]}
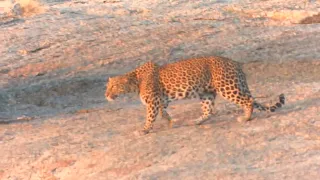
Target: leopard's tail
{"points": [[270, 108]]}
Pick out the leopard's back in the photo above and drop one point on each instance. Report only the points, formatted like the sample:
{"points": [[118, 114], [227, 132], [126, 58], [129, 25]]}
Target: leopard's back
{"points": [[192, 78]]}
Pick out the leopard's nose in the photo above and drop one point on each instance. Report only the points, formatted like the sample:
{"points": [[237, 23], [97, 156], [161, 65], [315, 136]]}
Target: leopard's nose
{"points": [[110, 96]]}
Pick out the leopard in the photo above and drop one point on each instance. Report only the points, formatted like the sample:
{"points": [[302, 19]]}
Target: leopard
{"points": [[195, 78]]}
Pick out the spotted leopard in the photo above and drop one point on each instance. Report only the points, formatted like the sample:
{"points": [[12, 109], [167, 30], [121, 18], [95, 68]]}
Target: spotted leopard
{"points": [[201, 78]]}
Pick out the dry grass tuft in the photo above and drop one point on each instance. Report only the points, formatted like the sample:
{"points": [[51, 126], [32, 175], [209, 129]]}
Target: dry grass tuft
{"points": [[288, 15], [21, 7], [294, 16], [30, 7]]}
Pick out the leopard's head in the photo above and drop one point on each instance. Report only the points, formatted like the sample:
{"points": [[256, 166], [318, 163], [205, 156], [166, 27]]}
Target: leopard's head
{"points": [[120, 85]]}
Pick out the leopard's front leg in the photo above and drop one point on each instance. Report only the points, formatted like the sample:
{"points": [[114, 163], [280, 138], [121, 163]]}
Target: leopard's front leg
{"points": [[152, 107]]}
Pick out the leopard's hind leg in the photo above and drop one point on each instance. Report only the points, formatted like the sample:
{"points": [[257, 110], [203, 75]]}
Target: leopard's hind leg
{"points": [[244, 101], [207, 104], [236, 90], [164, 114]]}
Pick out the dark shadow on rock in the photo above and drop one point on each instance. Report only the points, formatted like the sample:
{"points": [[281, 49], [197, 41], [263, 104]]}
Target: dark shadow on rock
{"points": [[52, 96], [311, 19], [11, 22], [53, 2], [14, 121]]}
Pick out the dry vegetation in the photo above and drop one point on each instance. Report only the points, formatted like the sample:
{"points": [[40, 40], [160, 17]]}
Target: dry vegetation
{"points": [[24, 8]]}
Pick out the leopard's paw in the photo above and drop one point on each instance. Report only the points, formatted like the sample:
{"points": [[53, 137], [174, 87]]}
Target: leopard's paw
{"points": [[140, 132], [242, 119]]}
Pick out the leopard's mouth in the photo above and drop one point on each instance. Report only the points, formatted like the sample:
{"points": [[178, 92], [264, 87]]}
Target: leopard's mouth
{"points": [[111, 97]]}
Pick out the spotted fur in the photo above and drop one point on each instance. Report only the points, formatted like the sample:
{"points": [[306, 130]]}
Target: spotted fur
{"points": [[201, 78]]}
